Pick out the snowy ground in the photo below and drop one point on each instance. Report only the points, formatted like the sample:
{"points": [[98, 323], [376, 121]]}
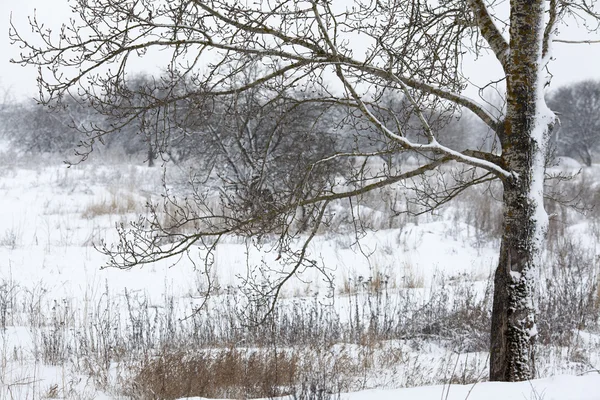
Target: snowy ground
{"points": [[63, 317], [555, 388]]}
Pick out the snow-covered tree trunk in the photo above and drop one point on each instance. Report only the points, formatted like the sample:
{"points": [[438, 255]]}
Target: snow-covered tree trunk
{"points": [[527, 127]]}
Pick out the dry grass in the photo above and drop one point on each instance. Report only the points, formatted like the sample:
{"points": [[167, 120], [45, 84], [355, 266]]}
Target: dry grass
{"points": [[376, 283], [118, 203], [227, 374], [412, 278], [236, 373]]}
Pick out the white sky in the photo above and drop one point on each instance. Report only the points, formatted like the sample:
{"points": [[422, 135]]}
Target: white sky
{"points": [[572, 62]]}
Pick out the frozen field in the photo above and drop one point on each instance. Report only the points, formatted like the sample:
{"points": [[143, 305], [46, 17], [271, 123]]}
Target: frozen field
{"points": [[412, 313]]}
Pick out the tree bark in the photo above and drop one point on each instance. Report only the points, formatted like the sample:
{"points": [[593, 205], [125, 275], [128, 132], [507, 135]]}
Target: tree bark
{"points": [[527, 127], [513, 331], [151, 155]]}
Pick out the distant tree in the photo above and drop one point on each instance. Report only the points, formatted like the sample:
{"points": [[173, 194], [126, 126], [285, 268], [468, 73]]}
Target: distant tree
{"points": [[480, 137], [412, 48], [33, 128], [259, 143], [578, 108], [7, 102], [138, 126]]}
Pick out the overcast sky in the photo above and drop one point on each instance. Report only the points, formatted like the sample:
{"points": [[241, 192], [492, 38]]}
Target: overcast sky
{"points": [[572, 62]]}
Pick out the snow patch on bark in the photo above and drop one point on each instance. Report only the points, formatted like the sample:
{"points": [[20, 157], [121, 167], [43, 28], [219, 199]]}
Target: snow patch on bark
{"points": [[532, 332], [544, 119]]}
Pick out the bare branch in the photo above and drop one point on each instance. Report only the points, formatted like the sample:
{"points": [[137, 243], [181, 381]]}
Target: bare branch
{"points": [[433, 145], [550, 27], [585, 41], [490, 31]]}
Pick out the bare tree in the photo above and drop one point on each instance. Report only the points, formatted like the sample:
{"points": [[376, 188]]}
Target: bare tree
{"points": [[412, 48], [577, 106], [32, 128], [140, 127]]}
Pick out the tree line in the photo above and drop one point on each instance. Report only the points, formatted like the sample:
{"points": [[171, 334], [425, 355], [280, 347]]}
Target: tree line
{"points": [[34, 128]]}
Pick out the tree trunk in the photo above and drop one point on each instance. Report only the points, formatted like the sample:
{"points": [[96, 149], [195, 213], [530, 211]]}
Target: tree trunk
{"points": [[527, 127], [587, 157], [151, 155], [513, 316]]}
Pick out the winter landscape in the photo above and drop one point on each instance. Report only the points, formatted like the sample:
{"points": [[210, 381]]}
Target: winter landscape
{"points": [[309, 200], [408, 306]]}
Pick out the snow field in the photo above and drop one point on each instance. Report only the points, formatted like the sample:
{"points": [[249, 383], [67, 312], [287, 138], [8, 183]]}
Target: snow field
{"points": [[413, 313]]}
